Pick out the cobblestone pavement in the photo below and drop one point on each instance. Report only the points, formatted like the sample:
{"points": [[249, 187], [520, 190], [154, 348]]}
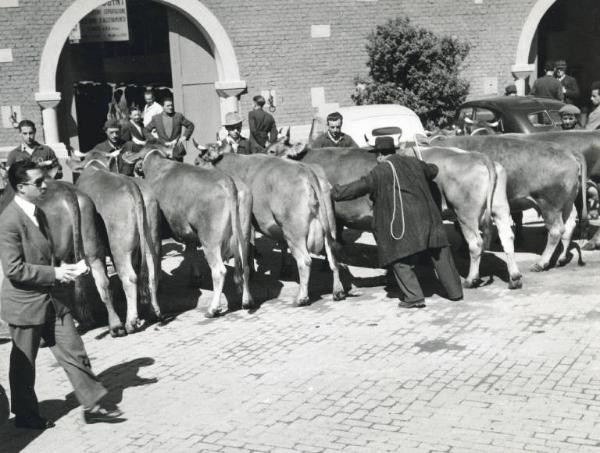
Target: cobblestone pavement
{"points": [[501, 371]]}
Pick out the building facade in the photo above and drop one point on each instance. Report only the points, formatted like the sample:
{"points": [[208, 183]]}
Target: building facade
{"points": [[217, 54]]}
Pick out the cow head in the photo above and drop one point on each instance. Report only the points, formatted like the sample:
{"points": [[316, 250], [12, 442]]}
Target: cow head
{"points": [[79, 161], [283, 148], [137, 157], [210, 153]]}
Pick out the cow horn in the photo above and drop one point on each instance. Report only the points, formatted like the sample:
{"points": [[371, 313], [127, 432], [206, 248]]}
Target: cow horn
{"points": [[367, 140], [78, 153], [469, 120]]}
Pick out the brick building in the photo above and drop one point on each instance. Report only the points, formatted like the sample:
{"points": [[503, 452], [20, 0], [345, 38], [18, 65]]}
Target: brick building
{"points": [[217, 54]]}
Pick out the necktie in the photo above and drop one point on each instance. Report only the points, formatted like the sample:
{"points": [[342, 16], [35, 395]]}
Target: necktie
{"points": [[39, 216]]}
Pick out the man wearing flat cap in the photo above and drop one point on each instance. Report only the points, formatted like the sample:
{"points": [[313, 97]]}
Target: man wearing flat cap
{"points": [[407, 223], [510, 90], [233, 126], [569, 115], [569, 85]]}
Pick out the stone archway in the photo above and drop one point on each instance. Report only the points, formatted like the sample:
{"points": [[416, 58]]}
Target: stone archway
{"points": [[228, 85], [523, 68]]}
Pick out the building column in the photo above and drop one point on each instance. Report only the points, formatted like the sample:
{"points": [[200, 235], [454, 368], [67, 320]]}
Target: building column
{"points": [[48, 102], [230, 92], [521, 72]]}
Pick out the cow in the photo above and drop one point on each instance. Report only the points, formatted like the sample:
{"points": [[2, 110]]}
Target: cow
{"points": [[291, 204], [200, 207], [472, 185], [120, 205], [586, 144], [536, 172]]}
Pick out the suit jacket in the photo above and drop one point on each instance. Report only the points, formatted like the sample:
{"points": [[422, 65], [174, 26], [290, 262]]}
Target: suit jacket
{"points": [[547, 87], [179, 121], [29, 281], [129, 132], [422, 228], [262, 130], [593, 121]]}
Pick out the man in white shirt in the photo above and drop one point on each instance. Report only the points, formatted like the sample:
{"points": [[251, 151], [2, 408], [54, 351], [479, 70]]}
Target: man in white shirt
{"points": [[151, 108]]}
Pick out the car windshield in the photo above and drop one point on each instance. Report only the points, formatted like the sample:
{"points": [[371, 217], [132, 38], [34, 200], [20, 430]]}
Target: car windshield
{"points": [[540, 119]]}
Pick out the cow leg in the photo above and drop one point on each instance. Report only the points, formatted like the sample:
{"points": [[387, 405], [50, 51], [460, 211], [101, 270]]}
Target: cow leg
{"points": [[556, 228], [517, 217], [151, 260], [470, 232], [218, 271], [338, 288], [501, 216], [98, 268], [570, 224], [303, 260], [285, 270], [124, 267], [190, 255]]}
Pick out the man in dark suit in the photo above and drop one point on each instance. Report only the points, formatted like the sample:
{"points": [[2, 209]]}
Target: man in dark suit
{"points": [[233, 126], [547, 86], [406, 220], [263, 131], [168, 129], [134, 130], [33, 305], [569, 85]]}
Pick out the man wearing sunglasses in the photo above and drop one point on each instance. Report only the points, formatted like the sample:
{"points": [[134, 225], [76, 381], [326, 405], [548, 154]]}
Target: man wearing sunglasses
{"points": [[33, 293]]}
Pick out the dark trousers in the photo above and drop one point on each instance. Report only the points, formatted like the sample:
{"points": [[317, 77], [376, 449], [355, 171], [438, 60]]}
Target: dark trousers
{"points": [[445, 269], [65, 343]]}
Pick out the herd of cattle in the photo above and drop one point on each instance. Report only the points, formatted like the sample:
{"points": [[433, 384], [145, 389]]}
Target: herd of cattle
{"points": [[285, 195]]}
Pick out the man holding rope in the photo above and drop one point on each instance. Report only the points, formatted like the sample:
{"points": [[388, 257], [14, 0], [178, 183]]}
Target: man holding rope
{"points": [[407, 223]]}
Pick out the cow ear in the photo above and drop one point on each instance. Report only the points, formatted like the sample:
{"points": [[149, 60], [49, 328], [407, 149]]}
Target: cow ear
{"points": [[296, 149], [75, 165]]}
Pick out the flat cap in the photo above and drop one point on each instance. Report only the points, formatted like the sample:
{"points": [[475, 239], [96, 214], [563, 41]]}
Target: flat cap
{"points": [[569, 109]]}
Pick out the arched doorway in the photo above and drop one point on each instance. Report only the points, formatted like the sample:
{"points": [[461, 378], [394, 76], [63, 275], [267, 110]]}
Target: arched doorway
{"points": [[195, 28], [561, 30]]}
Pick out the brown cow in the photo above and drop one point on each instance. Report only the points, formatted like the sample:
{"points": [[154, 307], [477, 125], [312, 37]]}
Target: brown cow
{"points": [[478, 192], [120, 206], [201, 207], [536, 172], [290, 203]]}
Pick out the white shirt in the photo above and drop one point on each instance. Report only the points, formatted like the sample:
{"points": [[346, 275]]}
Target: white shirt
{"points": [[28, 207], [150, 111]]}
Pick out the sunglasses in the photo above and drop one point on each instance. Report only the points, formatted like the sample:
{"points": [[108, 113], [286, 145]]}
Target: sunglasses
{"points": [[37, 183]]}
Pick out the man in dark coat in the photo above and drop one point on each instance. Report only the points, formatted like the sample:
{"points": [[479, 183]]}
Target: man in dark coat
{"points": [[33, 305], [334, 137], [406, 221], [116, 146], [233, 126], [547, 86], [134, 130], [30, 149], [263, 130], [168, 127], [569, 85]]}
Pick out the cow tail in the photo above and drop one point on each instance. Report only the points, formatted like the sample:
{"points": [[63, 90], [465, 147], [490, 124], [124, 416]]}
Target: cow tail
{"points": [[145, 246], [487, 216], [583, 174], [325, 211], [238, 246]]}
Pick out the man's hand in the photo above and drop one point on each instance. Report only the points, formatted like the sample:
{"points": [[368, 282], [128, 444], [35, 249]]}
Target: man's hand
{"points": [[66, 273]]}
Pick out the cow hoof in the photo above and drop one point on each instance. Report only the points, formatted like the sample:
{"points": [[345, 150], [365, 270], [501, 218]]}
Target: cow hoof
{"points": [[118, 331], [339, 295], [213, 314], [537, 267], [593, 215], [248, 305], [304, 302], [564, 261], [472, 283], [589, 245], [515, 282]]}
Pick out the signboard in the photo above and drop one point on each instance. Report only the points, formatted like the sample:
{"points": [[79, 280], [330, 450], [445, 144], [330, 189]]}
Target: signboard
{"points": [[106, 23]]}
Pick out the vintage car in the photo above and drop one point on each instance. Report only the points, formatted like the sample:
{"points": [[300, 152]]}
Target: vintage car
{"points": [[365, 122], [501, 115]]}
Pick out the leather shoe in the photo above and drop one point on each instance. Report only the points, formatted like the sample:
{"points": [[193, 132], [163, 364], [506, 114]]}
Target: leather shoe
{"points": [[416, 304], [32, 422], [101, 414]]}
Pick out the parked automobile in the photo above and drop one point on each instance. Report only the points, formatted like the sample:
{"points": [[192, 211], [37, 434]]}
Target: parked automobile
{"points": [[501, 115], [365, 122]]}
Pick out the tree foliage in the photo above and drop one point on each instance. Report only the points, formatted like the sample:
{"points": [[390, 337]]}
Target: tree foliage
{"points": [[411, 66]]}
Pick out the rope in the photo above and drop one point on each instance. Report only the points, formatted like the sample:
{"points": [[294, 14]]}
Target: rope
{"points": [[396, 184]]}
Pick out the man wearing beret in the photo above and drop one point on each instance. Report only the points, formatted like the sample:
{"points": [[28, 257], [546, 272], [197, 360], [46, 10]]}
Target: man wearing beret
{"points": [[569, 85], [569, 115], [407, 223]]}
